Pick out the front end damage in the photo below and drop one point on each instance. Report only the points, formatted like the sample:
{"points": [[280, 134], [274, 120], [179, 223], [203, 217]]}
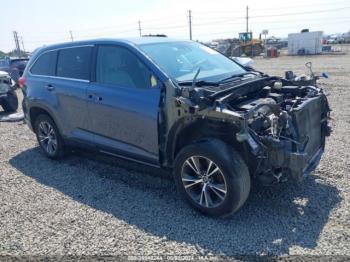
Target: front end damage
{"points": [[278, 125], [6, 83]]}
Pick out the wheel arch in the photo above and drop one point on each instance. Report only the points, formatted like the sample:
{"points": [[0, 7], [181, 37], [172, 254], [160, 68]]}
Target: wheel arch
{"points": [[37, 110], [185, 132]]}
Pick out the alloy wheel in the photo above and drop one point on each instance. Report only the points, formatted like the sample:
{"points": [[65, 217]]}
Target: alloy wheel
{"points": [[47, 137], [204, 181]]}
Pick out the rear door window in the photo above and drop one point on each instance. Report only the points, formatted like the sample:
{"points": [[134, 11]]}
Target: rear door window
{"points": [[45, 65], [74, 63]]}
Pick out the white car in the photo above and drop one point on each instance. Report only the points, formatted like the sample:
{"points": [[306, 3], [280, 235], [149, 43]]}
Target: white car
{"points": [[8, 96]]}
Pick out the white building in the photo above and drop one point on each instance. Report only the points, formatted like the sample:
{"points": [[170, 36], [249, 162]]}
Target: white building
{"points": [[309, 43]]}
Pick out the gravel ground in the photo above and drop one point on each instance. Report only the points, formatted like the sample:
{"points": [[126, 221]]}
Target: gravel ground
{"points": [[93, 205]]}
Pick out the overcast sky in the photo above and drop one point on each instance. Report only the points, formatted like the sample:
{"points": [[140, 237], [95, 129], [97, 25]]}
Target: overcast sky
{"points": [[42, 22]]}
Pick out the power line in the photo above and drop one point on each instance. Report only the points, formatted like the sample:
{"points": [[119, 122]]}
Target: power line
{"points": [[167, 27], [278, 27], [264, 16], [215, 21], [303, 13], [304, 20], [80, 36], [219, 21], [107, 28], [297, 6], [223, 19], [331, 22], [111, 31], [234, 11], [228, 20]]}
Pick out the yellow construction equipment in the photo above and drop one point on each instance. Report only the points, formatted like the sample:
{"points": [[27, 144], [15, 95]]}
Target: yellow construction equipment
{"points": [[248, 45]]}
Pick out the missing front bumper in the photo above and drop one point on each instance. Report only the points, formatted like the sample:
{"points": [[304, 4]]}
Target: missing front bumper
{"points": [[289, 166], [301, 165]]}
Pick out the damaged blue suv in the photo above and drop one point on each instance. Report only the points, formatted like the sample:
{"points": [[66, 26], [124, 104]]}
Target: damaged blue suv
{"points": [[178, 105]]}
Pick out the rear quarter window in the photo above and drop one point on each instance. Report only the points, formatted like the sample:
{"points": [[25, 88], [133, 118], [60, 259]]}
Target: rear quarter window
{"points": [[45, 65], [74, 63]]}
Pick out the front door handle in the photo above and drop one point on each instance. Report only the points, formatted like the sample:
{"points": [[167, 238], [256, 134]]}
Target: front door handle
{"points": [[95, 97], [50, 87]]}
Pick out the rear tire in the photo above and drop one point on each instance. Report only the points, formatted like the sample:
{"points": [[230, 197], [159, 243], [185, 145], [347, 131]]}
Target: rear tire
{"points": [[48, 137], [225, 191], [10, 103]]}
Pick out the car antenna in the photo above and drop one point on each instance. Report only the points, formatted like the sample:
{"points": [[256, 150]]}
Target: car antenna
{"points": [[195, 79]]}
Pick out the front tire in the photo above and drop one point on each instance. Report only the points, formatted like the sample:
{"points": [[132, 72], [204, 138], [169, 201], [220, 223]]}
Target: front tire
{"points": [[212, 177], [49, 137]]}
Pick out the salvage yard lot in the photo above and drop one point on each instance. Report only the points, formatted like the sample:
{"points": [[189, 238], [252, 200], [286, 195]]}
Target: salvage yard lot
{"points": [[93, 205]]}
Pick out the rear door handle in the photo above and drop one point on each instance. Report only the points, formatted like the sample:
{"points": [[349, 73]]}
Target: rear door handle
{"points": [[50, 87]]}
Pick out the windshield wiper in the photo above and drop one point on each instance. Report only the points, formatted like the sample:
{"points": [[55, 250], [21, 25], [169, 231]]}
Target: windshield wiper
{"points": [[199, 83], [236, 76], [195, 78], [195, 83]]}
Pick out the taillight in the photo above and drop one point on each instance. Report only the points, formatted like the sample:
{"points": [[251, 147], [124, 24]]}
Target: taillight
{"points": [[22, 81]]}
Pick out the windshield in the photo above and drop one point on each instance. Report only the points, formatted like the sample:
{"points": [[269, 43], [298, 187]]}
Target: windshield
{"points": [[181, 60]]}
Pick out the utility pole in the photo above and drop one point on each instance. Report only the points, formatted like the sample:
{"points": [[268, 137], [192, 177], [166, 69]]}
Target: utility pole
{"points": [[140, 30], [190, 22], [24, 50], [71, 35], [18, 49], [247, 18]]}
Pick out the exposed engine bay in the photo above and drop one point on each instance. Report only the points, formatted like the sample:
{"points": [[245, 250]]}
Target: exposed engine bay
{"points": [[282, 122]]}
